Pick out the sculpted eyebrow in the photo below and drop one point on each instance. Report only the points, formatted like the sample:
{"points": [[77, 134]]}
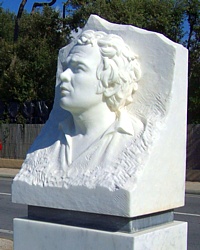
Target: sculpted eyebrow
{"points": [[74, 61]]}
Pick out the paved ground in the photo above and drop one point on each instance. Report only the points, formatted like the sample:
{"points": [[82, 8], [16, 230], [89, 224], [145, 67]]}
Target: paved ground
{"points": [[10, 163], [6, 244], [192, 187]]}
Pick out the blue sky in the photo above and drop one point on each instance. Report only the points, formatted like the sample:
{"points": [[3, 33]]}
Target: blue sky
{"points": [[13, 5]]}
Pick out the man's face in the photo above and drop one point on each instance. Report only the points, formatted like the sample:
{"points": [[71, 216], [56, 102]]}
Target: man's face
{"points": [[79, 80]]}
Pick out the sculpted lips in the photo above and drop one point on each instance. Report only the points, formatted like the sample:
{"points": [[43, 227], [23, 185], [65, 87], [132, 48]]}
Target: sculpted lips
{"points": [[64, 90]]}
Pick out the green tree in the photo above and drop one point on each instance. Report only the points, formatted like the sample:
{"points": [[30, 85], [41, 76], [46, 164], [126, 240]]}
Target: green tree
{"points": [[193, 44], [6, 44], [31, 73]]}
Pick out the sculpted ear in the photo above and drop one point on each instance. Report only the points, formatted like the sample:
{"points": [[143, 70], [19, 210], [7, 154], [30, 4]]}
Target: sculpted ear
{"points": [[110, 91]]}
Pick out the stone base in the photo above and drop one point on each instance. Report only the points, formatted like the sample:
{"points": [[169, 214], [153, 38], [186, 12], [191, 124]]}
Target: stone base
{"points": [[37, 235], [99, 221]]}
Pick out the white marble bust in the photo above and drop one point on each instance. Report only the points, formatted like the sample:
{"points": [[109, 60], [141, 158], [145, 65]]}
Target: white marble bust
{"points": [[100, 78], [112, 127]]}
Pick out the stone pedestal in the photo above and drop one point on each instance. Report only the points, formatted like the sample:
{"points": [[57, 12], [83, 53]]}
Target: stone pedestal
{"points": [[40, 235]]}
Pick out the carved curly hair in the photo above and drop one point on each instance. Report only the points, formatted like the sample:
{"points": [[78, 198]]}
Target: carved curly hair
{"points": [[119, 70]]}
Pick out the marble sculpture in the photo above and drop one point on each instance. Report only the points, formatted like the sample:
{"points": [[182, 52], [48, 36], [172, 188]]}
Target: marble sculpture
{"points": [[113, 125]]}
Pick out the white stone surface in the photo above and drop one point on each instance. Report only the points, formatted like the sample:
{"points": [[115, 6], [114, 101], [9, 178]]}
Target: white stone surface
{"points": [[138, 165], [35, 235]]}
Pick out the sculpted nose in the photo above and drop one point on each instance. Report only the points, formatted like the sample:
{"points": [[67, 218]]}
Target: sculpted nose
{"points": [[65, 76]]}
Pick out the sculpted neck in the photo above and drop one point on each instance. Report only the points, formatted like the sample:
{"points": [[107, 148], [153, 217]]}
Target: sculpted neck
{"points": [[93, 121]]}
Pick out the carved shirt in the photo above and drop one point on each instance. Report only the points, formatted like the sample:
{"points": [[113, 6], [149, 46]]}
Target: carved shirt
{"points": [[105, 162], [107, 141]]}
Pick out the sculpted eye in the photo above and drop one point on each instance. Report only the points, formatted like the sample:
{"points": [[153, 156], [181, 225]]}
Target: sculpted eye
{"points": [[79, 68]]}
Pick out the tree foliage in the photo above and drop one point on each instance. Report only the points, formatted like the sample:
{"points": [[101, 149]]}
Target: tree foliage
{"points": [[193, 45], [6, 44], [29, 69]]}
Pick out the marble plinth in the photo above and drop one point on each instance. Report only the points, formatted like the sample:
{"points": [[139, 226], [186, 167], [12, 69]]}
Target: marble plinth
{"points": [[37, 235]]}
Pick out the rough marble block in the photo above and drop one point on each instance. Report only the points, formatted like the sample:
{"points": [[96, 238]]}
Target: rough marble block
{"points": [[36, 235], [144, 171]]}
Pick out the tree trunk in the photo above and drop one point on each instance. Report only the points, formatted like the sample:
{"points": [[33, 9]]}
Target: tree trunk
{"points": [[19, 14]]}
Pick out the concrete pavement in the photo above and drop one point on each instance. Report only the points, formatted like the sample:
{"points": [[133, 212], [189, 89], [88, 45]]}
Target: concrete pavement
{"points": [[192, 187], [6, 244]]}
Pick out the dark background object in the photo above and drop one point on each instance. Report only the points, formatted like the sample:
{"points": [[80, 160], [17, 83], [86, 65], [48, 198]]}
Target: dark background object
{"points": [[13, 108]]}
